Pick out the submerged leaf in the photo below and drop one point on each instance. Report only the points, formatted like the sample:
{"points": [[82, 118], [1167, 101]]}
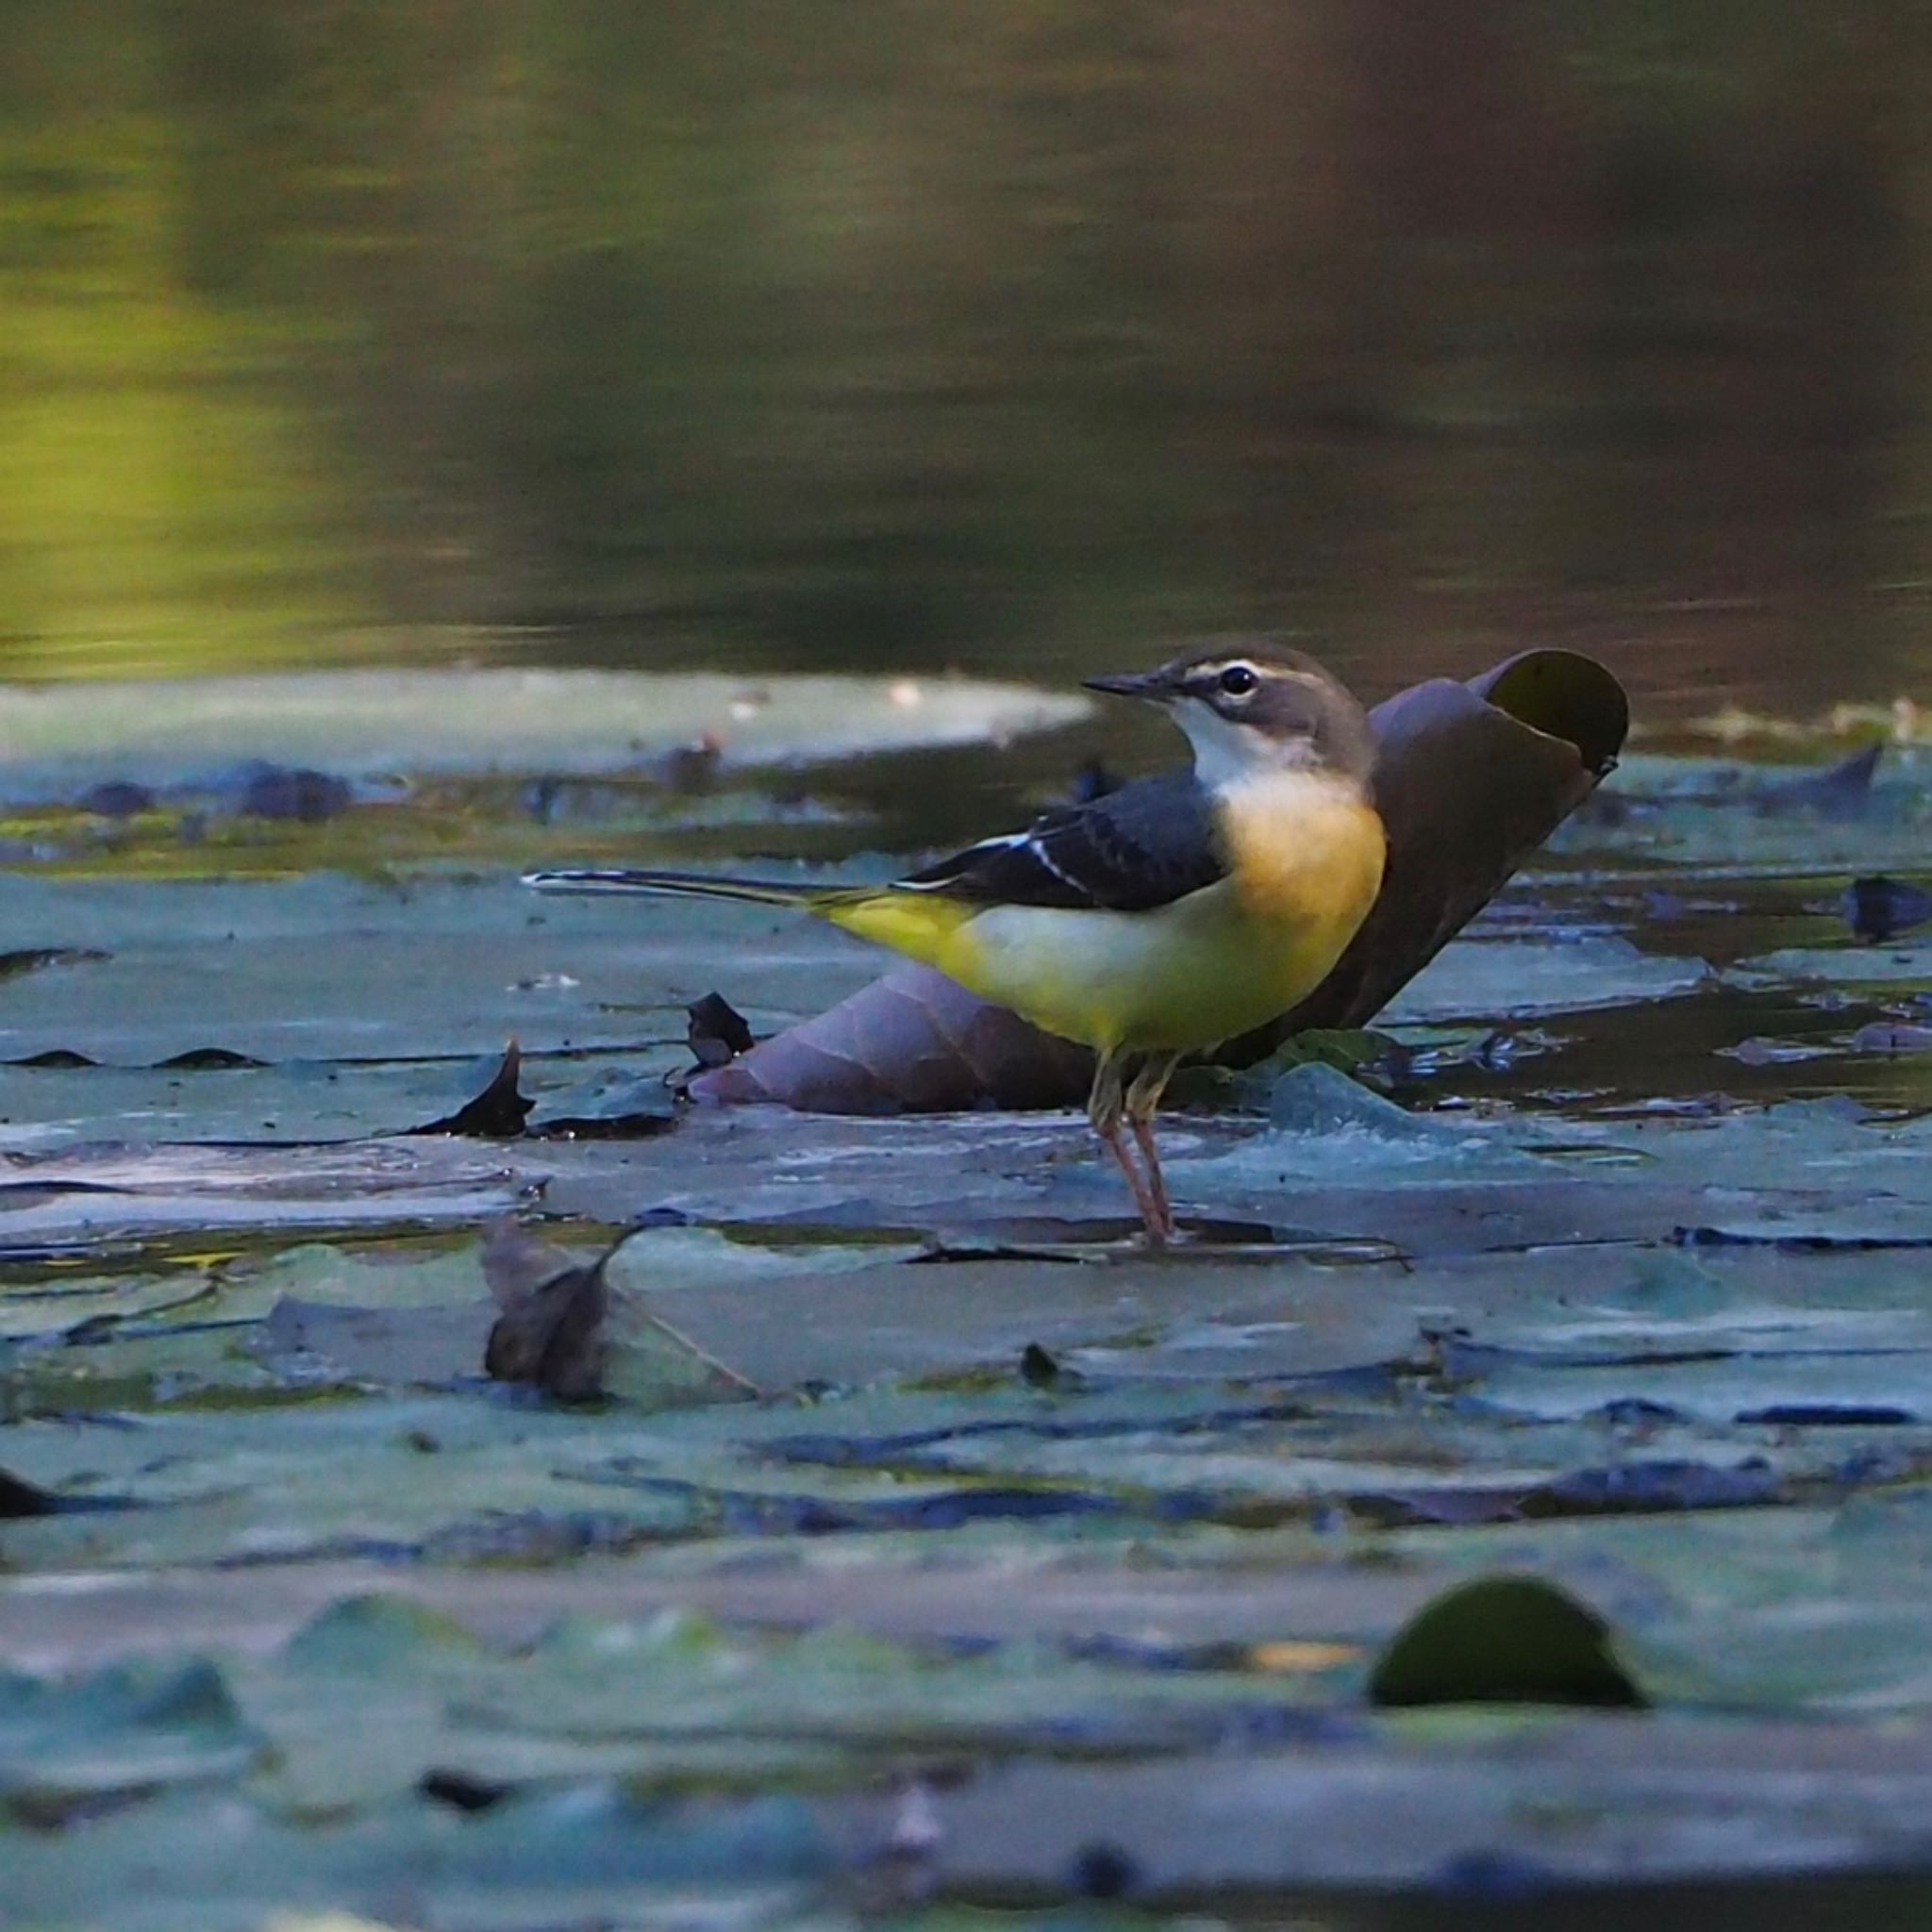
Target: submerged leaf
{"points": [[361, 1636], [613, 1103], [1503, 1639]]}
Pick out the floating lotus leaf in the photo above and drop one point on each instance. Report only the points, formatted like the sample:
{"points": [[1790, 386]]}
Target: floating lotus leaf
{"points": [[56, 739]]}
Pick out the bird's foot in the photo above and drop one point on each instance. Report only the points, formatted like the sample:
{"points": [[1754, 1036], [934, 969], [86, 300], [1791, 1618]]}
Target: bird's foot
{"points": [[1150, 1201], [1160, 1229]]}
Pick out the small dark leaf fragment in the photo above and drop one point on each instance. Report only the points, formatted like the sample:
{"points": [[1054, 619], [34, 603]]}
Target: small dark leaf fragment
{"points": [[717, 1032], [1504, 1640], [550, 1335], [497, 1114], [459, 1790], [19, 1497], [1876, 907], [1038, 1368]]}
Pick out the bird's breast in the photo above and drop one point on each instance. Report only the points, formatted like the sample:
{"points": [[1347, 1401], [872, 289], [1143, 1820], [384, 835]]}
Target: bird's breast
{"points": [[1304, 851], [1304, 865]]}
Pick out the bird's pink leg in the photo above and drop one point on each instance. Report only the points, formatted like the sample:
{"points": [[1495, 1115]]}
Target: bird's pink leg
{"points": [[1104, 1108], [1142, 1103], [1157, 1181], [1150, 1201]]}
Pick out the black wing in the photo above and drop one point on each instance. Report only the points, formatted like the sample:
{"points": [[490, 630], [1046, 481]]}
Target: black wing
{"points": [[1145, 845]]}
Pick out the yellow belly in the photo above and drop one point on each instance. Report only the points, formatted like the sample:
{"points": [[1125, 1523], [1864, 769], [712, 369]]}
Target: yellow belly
{"points": [[1186, 976]]}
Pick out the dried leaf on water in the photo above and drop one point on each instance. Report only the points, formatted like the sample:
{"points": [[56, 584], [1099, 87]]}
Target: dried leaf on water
{"points": [[496, 1113], [550, 1333], [566, 1329], [716, 1030]]}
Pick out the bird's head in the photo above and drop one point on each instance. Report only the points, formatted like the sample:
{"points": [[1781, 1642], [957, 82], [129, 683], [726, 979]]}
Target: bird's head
{"points": [[1251, 708]]}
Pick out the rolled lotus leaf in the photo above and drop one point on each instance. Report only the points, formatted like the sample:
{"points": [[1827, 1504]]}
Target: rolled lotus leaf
{"points": [[1470, 779]]}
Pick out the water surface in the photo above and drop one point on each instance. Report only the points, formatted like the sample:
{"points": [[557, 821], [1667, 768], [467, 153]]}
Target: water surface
{"points": [[777, 336]]}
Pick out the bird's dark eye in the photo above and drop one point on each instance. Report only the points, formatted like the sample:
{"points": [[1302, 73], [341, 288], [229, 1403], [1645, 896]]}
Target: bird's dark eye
{"points": [[1238, 680]]}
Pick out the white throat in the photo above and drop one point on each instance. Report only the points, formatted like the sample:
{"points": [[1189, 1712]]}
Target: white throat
{"points": [[1226, 754]]}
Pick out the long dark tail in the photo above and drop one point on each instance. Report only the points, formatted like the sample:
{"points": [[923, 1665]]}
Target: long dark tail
{"points": [[678, 885]]}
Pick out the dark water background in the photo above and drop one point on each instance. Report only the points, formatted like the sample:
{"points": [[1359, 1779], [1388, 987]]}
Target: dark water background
{"points": [[1011, 335]]}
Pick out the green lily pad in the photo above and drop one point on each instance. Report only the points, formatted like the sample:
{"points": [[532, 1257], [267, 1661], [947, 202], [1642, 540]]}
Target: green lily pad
{"points": [[1518, 977], [1503, 1639], [128, 1729]]}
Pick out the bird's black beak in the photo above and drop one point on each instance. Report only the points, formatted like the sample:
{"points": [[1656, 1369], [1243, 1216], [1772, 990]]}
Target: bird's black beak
{"points": [[1156, 687]]}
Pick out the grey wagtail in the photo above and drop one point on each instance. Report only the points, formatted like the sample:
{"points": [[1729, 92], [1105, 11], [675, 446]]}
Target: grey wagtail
{"points": [[1158, 920]]}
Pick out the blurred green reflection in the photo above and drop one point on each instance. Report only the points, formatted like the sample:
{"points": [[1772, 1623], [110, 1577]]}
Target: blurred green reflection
{"points": [[766, 332]]}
